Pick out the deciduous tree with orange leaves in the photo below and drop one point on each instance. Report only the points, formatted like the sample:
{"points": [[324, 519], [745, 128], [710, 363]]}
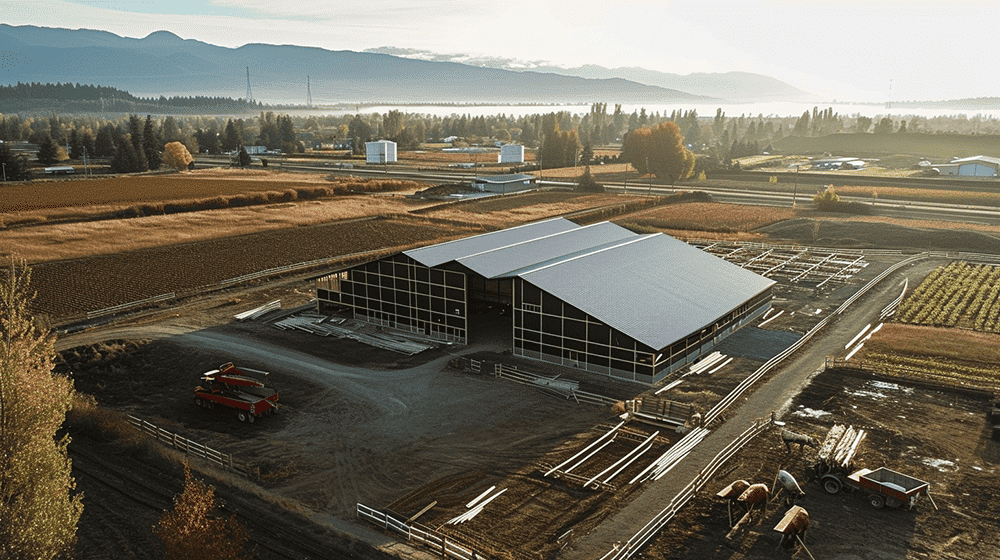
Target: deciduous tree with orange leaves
{"points": [[176, 155], [192, 531], [659, 150]]}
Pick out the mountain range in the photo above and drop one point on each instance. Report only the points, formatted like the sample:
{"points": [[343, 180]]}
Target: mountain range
{"points": [[735, 87], [164, 64]]}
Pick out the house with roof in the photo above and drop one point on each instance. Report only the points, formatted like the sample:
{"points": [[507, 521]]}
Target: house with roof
{"points": [[596, 297]]}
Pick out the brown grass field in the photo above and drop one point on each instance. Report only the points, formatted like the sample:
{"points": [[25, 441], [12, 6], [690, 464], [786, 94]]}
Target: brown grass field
{"points": [[513, 210], [49, 242], [923, 195], [939, 355], [706, 216], [124, 190]]}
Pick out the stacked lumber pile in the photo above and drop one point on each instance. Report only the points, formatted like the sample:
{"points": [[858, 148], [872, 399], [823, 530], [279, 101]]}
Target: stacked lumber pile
{"points": [[258, 312], [841, 445]]}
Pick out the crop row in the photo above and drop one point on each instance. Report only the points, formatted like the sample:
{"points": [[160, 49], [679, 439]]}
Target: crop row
{"points": [[957, 295], [937, 370]]}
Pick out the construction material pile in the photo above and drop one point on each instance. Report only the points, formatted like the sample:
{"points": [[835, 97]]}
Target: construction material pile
{"points": [[322, 325]]}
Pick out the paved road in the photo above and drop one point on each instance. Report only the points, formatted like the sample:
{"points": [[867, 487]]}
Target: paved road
{"points": [[775, 395]]}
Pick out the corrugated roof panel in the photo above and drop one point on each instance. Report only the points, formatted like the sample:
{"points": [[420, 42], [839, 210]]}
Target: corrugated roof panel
{"points": [[507, 261], [656, 290], [441, 253]]}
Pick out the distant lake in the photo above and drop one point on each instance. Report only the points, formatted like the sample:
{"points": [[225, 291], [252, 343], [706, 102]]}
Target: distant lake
{"points": [[767, 109]]}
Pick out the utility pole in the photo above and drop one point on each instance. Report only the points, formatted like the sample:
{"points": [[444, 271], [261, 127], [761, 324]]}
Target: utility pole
{"points": [[249, 95], [796, 191], [309, 95], [4, 164]]}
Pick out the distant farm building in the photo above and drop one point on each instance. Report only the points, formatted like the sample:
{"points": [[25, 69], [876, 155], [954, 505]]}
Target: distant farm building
{"points": [[976, 166], [599, 297], [382, 151], [838, 163], [60, 170], [511, 153], [504, 183]]}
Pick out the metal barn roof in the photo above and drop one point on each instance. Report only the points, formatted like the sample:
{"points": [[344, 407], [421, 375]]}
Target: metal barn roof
{"points": [[500, 179], [507, 261], [436, 255], [653, 288]]}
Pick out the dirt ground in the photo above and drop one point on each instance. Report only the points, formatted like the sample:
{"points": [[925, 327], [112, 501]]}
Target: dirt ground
{"points": [[940, 437]]}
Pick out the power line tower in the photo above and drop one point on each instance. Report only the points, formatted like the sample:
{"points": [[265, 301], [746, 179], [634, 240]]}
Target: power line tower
{"points": [[249, 95], [309, 95]]}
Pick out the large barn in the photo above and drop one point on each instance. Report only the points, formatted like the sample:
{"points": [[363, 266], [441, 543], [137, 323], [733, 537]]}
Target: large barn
{"points": [[597, 297]]}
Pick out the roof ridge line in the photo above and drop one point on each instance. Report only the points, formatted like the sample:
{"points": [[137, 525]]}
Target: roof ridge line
{"points": [[624, 243], [487, 233], [579, 228]]}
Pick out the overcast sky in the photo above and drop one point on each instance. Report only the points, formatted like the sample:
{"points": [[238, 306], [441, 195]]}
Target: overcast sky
{"points": [[854, 50]]}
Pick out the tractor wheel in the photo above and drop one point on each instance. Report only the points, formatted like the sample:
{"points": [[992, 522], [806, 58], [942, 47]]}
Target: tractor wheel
{"points": [[876, 501], [242, 416], [831, 485]]}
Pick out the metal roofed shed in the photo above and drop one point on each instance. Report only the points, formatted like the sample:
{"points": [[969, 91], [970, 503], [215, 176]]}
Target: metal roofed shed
{"points": [[504, 183], [599, 297]]}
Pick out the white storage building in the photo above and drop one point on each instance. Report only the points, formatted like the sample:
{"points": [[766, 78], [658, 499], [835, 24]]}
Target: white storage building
{"points": [[382, 151], [976, 166], [511, 153]]}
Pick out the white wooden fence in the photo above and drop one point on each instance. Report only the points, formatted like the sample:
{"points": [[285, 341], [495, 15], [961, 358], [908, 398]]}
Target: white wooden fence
{"points": [[427, 537], [191, 447], [642, 537], [126, 306], [541, 382]]}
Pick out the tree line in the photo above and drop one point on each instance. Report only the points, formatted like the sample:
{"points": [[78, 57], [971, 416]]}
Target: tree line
{"points": [[25, 96]]}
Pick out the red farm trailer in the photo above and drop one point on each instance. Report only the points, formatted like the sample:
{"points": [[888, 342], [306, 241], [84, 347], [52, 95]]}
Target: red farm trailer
{"points": [[884, 487], [234, 388]]}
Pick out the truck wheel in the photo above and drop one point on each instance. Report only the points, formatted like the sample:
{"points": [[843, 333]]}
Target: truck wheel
{"points": [[876, 501], [242, 416], [831, 485]]}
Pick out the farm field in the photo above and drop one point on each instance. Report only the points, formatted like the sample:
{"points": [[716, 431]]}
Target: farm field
{"points": [[959, 295], [513, 210], [73, 287], [75, 200], [703, 216], [935, 436]]}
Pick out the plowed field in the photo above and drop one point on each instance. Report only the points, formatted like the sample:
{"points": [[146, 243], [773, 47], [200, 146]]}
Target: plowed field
{"points": [[73, 287]]}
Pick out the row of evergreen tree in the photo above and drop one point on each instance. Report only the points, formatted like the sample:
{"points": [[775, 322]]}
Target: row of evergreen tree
{"points": [[85, 92]]}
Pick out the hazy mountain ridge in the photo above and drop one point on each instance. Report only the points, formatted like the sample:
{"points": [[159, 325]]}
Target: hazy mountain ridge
{"points": [[164, 64], [731, 86]]}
